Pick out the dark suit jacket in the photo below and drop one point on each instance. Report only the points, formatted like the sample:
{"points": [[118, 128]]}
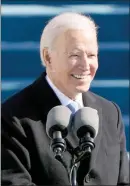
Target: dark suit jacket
{"points": [[26, 155]]}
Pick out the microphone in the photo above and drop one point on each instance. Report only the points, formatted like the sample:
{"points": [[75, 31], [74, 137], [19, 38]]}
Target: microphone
{"points": [[86, 124], [58, 119]]}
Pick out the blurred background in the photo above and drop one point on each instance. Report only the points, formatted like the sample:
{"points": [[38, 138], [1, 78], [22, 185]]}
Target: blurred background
{"points": [[22, 25]]}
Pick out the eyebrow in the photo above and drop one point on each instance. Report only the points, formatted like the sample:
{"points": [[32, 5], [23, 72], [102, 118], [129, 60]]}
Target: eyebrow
{"points": [[76, 50], [81, 50]]}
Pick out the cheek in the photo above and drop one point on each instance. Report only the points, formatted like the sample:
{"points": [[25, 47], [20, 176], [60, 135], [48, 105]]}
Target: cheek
{"points": [[73, 62], [94, 66], [61, 68], [66, 66]]}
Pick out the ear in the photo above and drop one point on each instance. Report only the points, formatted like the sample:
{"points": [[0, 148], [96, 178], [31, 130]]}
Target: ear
{"points": [[46, 56]]}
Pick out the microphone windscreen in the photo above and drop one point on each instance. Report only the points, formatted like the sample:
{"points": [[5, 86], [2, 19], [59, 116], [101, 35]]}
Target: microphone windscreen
{"points": [[86, 120], [58, 119]]}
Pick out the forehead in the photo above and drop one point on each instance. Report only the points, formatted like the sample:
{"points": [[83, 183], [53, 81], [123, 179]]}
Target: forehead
{"points": [[80, 35], [81, 40], [78, 39]]}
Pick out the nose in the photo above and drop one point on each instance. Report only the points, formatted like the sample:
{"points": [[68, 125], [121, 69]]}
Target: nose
{"points": [[84, 63]]}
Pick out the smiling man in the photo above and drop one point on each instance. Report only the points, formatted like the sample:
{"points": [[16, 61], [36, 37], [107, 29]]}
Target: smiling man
{"points": [[71, 53], [74, 60], [69, 50]]}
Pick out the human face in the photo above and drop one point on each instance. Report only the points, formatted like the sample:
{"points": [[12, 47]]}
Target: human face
{"points": [[73, 61]]}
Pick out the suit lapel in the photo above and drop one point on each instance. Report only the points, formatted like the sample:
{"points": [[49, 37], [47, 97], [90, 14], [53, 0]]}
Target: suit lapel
{"points": [[44, 97], [89, 100]]}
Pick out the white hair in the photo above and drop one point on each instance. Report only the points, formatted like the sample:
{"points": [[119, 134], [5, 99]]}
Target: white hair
{"points": [[62, 23]]}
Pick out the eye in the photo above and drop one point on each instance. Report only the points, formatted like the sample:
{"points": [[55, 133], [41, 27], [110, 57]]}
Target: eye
{"points": [[91, 55], [74, 55]]}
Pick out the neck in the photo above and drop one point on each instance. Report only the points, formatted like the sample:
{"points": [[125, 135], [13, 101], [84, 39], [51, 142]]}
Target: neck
{"points": [[61, 88]]}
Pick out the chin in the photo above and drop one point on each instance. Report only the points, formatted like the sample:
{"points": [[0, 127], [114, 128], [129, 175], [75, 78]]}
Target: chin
{"points": [[82, 89]]}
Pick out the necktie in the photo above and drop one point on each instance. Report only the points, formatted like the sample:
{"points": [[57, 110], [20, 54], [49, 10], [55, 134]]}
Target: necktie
{"points": [[73, 106]]}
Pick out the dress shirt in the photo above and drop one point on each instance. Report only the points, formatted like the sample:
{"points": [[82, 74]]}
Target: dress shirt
{"points": [[63, 98]]}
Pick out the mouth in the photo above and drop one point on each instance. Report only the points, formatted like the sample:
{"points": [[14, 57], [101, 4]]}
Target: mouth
{"points": [[77, 76]]}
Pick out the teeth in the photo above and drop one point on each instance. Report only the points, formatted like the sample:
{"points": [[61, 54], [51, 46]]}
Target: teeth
{"points": [[79, 76]]}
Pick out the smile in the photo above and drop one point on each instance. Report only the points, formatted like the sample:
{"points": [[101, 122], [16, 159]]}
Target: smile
{"points": [[79, 76]]}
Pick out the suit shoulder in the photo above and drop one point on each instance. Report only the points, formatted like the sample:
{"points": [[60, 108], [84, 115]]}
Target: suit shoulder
{"points": [[103, 102], [110, 110]]}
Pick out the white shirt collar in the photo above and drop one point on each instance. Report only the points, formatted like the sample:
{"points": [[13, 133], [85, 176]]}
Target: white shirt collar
{"points": [[63, 98]]}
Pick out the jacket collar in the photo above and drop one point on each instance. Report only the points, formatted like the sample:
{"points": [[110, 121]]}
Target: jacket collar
{"points": [[43, 96]]}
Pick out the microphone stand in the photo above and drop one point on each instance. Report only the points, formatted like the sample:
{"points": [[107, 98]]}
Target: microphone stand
{"points": [[86, 145], [73, 173], [58, 146]]}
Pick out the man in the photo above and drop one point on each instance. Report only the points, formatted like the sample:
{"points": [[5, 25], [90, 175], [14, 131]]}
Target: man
{"points": [[69, 50]]}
